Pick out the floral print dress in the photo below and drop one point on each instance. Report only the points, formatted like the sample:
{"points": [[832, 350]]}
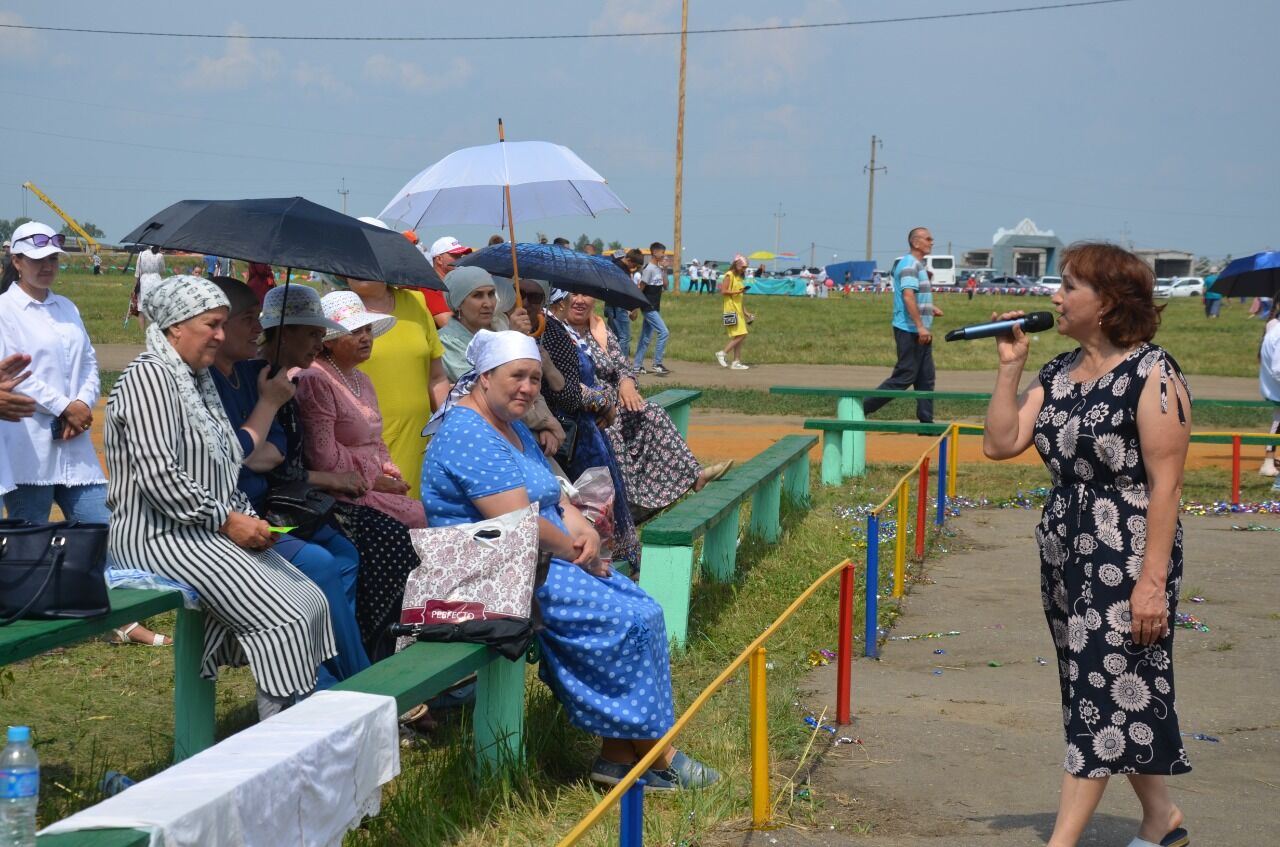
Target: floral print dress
{"points": [[657, 464], [1117, 697]]}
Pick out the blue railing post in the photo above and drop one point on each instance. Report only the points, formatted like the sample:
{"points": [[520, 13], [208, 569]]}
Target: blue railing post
{"points": [[871, 613], [942, 482], [631, 829]]}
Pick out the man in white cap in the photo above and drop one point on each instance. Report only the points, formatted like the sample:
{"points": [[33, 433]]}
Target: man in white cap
{"points": [[443, 253]]}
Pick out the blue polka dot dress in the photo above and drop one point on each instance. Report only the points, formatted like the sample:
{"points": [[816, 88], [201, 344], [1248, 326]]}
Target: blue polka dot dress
{"points": [[604, 646]]}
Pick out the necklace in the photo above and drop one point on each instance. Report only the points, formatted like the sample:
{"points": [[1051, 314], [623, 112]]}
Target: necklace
{"points": [[352, 386]]}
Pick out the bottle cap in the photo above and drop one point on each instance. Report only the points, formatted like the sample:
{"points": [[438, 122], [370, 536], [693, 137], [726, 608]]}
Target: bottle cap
{"points": [[19, 734]]}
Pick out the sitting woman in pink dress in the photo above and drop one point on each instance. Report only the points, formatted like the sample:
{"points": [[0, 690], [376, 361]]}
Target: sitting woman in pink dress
{"points": [[340, 406]]}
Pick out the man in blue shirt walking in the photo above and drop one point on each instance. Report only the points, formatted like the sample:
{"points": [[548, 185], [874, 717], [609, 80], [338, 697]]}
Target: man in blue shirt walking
{"points": [[913, 314]]}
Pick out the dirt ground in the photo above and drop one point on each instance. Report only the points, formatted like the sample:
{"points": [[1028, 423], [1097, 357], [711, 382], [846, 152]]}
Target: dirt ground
{"points": [[972, 755]]}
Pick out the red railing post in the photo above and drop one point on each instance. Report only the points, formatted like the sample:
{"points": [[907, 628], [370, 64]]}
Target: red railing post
{"points": [[1235, 470], [922, 507], [844, 653]]}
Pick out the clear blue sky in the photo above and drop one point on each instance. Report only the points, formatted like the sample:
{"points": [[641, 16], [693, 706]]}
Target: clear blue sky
{"points": [[1150, 121]]}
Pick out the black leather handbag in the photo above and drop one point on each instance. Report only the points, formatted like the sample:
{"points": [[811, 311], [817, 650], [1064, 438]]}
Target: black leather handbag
{"points": [[299, 505], [50, 571]]}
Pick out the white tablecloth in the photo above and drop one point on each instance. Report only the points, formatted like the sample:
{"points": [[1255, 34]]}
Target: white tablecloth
{"points": [[304, 777]]}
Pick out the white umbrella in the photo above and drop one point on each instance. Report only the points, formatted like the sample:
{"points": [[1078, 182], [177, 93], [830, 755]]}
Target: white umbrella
{"points": [[482, 185], [468, 187]]}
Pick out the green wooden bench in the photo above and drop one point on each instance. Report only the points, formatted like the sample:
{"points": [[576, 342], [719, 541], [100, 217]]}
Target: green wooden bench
{"points": [[835, 450], [677, 402], [713, 512], [193, 716], [423, 670], [849, 401], [412, 676]]}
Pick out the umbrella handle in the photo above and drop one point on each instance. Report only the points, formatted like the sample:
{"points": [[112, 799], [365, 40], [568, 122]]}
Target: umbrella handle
{"points": [[540, 328], [511, 224]]}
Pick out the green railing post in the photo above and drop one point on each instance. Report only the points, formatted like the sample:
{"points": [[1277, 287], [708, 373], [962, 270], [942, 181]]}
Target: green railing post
{"points": [[498, 718], [831, 461], [667, 577]]}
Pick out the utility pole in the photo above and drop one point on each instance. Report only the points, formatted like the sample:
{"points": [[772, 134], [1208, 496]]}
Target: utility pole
{"points": [[871, 188], [812, 249], [675, 241], [777, 235], [344, 191]]}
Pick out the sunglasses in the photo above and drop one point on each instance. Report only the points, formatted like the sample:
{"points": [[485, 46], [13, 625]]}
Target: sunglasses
{"points": [[41, 240]]}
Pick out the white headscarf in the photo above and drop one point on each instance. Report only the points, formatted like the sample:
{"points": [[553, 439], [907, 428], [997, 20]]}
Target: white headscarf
{"points": [[487, 350], [173, 300]]}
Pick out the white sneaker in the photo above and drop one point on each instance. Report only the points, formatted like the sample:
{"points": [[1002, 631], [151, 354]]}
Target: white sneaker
{"points": [[1269, 468], [720, 358], [738, 366]]}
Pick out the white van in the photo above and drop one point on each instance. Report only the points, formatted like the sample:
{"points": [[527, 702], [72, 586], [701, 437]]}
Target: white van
{"points": [[943, 269]]}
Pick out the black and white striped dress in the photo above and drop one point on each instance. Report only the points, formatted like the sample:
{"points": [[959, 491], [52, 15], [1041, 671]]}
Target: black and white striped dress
{"points": [[168, 497]]}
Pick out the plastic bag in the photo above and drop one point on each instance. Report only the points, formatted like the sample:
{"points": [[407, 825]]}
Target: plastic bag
{"points": [[594, 497]]}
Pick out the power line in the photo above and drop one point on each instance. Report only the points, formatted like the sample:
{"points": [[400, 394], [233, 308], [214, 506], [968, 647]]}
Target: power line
{"points": [[574, 35]]}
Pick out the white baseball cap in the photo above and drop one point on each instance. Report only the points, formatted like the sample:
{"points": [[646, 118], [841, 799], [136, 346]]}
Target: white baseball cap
{"points": [[25, 240], [447, 244]]}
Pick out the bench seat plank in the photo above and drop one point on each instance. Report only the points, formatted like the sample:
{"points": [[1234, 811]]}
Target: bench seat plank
{"points": [[25, 639]]}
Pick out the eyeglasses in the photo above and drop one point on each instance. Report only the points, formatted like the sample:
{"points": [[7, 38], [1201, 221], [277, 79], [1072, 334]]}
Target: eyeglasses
{"points": [[39, 239]]}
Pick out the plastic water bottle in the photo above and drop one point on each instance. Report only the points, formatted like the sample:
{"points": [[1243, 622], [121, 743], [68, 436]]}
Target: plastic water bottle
{"points": [[19, 790]]}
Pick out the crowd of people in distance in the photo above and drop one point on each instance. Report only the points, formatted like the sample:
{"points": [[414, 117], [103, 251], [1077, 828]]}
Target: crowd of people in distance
{"points": [[250, 391]]}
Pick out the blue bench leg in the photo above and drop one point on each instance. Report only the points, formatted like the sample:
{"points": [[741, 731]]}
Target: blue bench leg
{"points": [[853, 445], [831, 461], [667, 577], [796, 481], [193, 696], [499, 714], [680, 417], [720, 548], [766, 510]]}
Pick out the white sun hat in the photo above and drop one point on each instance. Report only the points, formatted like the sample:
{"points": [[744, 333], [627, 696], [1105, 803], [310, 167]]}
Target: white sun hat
{"points": [[26, 236], [302, 308], [347, 309]]}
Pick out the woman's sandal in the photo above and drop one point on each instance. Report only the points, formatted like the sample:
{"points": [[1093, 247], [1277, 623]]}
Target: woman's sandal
{"points": [[1176, 838], [124, 635]]}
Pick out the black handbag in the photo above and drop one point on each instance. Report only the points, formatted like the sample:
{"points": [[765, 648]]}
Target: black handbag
{"points": [[50, 571], [299, 505]]}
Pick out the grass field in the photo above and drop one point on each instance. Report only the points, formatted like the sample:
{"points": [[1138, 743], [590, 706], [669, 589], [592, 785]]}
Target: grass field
{"points": [[849, 331]]}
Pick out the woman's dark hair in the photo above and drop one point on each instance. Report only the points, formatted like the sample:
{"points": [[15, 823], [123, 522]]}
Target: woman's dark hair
{"points": [[1124, 284], [10, 275]]}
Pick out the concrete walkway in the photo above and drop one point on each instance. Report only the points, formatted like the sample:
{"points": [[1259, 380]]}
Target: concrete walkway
{"points": [[972, 755]]}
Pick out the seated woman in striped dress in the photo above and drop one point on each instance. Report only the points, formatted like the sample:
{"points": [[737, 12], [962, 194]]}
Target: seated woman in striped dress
{"points": [[173, 461]]}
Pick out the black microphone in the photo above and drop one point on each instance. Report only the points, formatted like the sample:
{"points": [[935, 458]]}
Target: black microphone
{"points": [[1034, 322]]}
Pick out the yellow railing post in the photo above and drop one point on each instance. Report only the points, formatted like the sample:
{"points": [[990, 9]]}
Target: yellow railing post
{"points": [[900, 549], [953, 455], [759, 740]]}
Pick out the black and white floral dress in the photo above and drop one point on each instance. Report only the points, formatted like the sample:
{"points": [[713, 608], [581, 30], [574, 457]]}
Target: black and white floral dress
{"points": [[1117, 697]]}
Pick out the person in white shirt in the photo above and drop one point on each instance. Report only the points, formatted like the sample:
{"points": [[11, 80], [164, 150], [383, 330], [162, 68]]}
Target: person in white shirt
{"points": [[13, 408], [149, 271], [50, 455], [1269, 385]]}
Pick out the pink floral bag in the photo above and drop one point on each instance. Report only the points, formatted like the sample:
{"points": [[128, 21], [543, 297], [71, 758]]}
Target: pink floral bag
{"points": [[475, 583]]}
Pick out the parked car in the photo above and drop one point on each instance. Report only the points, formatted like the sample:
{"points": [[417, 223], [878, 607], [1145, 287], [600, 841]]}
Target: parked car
{"points": [[1049, 283], [1180, 286]]}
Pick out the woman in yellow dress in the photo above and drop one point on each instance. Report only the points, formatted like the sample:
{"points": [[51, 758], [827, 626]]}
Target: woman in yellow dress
{"points": [[407, 371], [736, 317]]}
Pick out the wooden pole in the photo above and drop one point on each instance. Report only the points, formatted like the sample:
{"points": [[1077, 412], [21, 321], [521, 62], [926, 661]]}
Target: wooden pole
{"points": [[675, 241], [511, 223]]}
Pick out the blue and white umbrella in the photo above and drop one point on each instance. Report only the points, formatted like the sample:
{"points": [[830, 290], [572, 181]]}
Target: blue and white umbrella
{"points": [[1252, 276], [563, 268]]}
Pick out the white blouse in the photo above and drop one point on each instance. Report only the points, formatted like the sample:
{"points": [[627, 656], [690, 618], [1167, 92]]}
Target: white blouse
{"points": [[63, 368]]}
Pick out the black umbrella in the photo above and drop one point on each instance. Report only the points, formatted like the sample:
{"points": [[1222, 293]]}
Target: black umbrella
{"points": [[1252, 276], [567, 269], [292, 232]]}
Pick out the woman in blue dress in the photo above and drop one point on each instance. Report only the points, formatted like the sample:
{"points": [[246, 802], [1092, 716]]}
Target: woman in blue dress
{"points": [[604, 642]]}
